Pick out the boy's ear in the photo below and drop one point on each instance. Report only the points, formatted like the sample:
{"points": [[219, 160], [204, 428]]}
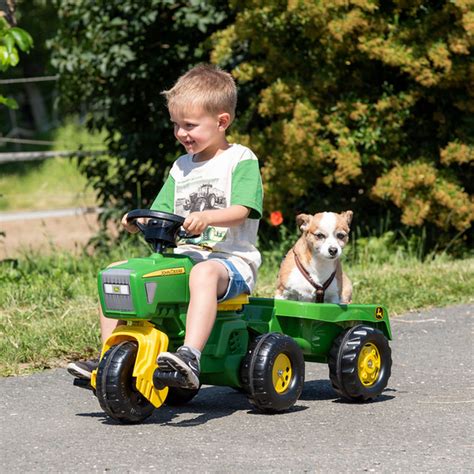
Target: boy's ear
{"points": [[223, 120], [302, 220]]}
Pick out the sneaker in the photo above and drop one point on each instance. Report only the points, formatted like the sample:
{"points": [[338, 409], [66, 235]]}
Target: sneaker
{"points": [[184, 362], [82, 369]]}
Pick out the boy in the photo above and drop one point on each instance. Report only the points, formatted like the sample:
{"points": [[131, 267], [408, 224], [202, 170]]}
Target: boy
{"points": [[217, 187]]}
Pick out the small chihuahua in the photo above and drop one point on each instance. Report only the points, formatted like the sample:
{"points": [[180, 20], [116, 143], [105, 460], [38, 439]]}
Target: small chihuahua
{"points": [[311, 271]]}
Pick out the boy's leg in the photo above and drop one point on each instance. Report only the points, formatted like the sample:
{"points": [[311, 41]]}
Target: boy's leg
{"points": [[83, 368], [107, 325], [208, 281]]}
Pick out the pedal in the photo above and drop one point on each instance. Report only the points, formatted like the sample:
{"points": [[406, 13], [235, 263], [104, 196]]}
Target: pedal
{"points": [[82, 383], [162, 379]]}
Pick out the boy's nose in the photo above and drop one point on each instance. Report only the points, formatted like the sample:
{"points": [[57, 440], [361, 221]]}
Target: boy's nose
{"points": [[181, 132]]}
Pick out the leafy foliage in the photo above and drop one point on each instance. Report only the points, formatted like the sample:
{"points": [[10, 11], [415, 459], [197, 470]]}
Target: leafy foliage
{"points": [[12, 39], [358, 104], [116, 57]]}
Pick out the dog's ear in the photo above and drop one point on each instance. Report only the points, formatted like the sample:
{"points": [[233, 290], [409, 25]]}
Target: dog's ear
{"points": [[347, 216], [302, 220]]}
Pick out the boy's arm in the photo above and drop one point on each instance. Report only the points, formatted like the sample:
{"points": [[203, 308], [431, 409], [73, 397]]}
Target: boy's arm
{"points": [[197, 222], [247, 187], [246, 201]]}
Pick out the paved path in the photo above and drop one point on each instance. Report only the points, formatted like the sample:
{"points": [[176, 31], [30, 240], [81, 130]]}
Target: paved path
{"points": [[422, 423], [47, 231]]}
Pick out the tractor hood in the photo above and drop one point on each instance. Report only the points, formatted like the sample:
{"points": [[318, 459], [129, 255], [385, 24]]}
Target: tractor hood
{"points": [[133, 289]]}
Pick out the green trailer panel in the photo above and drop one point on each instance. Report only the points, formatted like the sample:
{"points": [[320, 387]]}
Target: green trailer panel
{"points": [[314, 326]]}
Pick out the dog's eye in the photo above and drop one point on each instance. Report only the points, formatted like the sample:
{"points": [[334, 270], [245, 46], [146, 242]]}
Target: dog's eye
{"points": [[341, 235], [320, 235]]}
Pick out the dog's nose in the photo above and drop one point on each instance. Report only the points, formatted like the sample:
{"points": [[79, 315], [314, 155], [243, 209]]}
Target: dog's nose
{"points": [[332, 251]]}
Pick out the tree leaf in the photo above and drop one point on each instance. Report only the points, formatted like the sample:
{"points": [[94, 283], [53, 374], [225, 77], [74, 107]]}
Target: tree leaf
{"points": [[9, 102], [22, 38]]}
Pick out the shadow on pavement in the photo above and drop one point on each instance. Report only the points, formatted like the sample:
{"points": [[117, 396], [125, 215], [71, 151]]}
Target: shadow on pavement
{"points": [[218, 402], [318, 390]]}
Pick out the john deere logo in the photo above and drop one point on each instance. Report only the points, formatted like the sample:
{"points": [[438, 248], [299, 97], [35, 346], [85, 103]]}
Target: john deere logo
{"points": [[166, 272], [379, 312], [116, 289]]}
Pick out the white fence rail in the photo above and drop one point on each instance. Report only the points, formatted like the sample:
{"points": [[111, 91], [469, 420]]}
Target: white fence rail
{"points": [[43, 155]]}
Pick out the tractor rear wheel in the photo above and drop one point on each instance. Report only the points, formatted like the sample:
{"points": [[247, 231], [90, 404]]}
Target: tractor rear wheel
{"points": [[115, 385], [360, 363], [272, 372]]}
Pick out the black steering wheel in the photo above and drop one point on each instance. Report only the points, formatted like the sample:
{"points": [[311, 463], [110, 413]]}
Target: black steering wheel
{"points": [[162, 230]]}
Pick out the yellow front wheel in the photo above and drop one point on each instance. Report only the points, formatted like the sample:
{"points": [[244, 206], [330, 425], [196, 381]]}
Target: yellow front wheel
{"points": [[115, 385]]}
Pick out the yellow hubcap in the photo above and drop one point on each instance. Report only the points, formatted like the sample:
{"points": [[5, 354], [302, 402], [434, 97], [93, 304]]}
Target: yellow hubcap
{"points": [[369, 364], [282, 373]]}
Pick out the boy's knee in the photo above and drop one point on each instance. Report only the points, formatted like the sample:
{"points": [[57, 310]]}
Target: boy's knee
{"points": [[205, 272]]}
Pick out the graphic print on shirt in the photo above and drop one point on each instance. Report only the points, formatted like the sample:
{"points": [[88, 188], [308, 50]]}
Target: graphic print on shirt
{"points": [[200, 194]]}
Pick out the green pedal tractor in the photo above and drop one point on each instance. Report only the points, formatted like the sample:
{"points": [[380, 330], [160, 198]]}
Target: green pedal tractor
{"points": [[257, 345]]}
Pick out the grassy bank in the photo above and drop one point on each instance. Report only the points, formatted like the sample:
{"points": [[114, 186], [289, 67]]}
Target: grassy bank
{"points": [[48, 310], [54, 183]]}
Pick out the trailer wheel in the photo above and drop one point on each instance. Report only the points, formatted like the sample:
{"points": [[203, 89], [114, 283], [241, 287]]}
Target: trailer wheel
{"points": [[115, 385], [360, 363], [178, 396], [272, 372]]}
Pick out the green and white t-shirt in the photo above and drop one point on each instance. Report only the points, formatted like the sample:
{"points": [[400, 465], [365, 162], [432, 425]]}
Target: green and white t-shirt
{"points": [[230, 178]]}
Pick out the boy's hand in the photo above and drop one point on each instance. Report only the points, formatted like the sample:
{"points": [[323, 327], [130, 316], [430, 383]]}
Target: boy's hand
{"points": [[131, 226], [196, 223]]}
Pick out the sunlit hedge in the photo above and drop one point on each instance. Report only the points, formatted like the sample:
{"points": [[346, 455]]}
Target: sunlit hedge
{"points": [[359, 104]]}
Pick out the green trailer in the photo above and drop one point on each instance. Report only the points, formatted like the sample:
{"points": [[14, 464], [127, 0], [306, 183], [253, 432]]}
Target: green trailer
{"points": [[257, 345]]}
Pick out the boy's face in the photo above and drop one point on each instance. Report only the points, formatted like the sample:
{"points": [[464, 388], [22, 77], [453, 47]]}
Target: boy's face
{"points": [[200, 132]]}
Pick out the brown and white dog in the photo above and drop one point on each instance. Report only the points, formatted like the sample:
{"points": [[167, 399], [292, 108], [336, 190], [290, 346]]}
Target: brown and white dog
{"points": [[311, 271]]}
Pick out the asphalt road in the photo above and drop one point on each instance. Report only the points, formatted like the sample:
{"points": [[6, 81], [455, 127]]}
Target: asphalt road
{"points": [[422, 423]]}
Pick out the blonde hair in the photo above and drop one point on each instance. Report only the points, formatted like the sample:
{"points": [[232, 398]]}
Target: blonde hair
{"points": [[204, 86]]}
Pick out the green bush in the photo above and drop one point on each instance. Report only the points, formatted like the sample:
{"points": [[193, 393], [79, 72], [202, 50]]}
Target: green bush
{"points": [[362, 105]]}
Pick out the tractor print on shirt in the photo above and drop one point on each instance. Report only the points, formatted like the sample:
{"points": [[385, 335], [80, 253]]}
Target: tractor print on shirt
{"points": [[206, 197]]}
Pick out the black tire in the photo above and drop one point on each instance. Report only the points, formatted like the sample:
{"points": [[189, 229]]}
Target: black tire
{"points": [[272, 372], [211, 201], [115, 387], [180, 396], [360, 363]]}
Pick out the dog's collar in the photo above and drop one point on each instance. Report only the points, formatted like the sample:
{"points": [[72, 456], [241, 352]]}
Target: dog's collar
{"points": [[320, 289]]}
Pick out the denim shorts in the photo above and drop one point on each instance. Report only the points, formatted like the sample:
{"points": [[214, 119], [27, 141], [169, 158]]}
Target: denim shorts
{"points": [[237, 284]]}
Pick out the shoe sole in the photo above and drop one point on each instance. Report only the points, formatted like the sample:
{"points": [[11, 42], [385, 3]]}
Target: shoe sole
{"points": [[168, 362], [77, 372]]}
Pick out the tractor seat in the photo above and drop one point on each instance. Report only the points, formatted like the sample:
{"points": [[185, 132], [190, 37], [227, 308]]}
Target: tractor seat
{"points": [[234, 304]]}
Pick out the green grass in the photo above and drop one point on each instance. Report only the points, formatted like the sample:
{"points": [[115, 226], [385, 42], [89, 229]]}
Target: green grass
{"points": [[53, 183], [48, 307]]}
